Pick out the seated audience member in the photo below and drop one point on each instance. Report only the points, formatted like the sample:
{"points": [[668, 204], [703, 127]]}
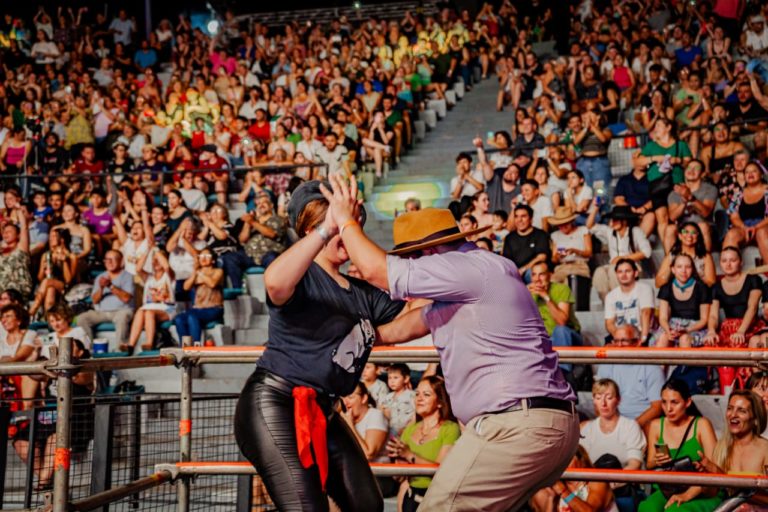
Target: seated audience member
{"points": [[571, 246], [18, 343], [113, 298], [367, 422], [760, 340], [59, 319], [578, 196], [526, 245], [611, 433], [632, 190], [684, 304], [758, 383], [398, 406], [479, 209], [630, 303], [556, 305], [428, 440], [548, 188], [158, 304], [412, 204], [263, 232], [499, 230], [738, 295], [467, 224], [183, 247], [83, 385], [541, 205], [208, 306], [681, 432], [691, 201], [741, 450], [624, 241], [749, 212], [56, 271], [640, 384], [466, 183], [501, 178], [484, 243], [134, 244], [99, 220], [691, 242], [571, 495], [221, 238], [376, 387], [195, 198], [664, 156]]}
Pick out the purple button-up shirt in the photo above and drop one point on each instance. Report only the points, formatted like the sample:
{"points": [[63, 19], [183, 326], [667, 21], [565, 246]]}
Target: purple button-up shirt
{"points": [[492, 343]]}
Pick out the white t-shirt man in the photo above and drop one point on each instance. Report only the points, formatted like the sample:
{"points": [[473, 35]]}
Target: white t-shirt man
{"points": [[626, 308], [468, 189], [334, 159]]}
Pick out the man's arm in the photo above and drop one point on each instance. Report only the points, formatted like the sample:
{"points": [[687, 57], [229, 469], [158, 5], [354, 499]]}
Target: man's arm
{"points": [[651, 413], [409, 326]]}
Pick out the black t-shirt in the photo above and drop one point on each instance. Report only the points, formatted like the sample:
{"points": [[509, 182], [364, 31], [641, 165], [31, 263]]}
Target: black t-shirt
{"points": [[735, 306], [323, 335], [690, 308], [522, 249]]}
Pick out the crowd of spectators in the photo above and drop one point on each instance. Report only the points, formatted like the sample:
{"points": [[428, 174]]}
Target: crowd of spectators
{"points": [[129, 209]]}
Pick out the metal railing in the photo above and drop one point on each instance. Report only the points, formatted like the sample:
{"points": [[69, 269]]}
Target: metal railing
{"points": [[63, 367]]}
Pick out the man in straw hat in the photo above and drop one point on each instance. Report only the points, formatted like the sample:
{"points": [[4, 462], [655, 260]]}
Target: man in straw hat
{"points": [[497, 358]]}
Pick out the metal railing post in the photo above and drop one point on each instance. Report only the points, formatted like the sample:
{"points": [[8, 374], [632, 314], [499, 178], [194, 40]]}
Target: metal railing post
{"points": [[5, 419], [103, 443], [30, 474], [185, 433], [63, 452], [244, 491]]}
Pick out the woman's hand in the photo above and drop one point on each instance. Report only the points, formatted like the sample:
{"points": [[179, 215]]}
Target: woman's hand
{"points": [[705, 465], [711, 339], [398, 449], [662, 459], [738, 338], [676, 499]]}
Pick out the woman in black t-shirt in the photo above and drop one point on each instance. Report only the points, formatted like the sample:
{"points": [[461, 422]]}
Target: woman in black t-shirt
{"points": [[321, 330], [738, 294], [684, 304]]}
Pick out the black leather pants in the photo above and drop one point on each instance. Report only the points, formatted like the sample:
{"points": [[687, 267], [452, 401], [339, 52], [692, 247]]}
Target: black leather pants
{"points": [[265, 432]]}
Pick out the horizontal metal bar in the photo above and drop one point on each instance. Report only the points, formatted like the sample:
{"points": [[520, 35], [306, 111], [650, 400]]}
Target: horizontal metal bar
{"points": [[123, 363], [602, 475], [118, 493], [23, 368], [580, 355]]}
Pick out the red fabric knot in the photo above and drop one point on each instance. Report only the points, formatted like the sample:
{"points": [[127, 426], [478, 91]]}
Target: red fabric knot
{"points": [[310, 431]]}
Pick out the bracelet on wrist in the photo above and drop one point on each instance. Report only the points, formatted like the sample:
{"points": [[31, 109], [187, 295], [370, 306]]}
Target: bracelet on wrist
{"points": [[349, 223], [569, 498]]}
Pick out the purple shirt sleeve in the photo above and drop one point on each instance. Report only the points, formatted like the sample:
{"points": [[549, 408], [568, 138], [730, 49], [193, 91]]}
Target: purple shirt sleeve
{"points": [[442, 277]]}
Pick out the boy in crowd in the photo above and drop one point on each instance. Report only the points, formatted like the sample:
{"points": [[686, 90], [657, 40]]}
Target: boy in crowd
{"points": [[398, 405]]}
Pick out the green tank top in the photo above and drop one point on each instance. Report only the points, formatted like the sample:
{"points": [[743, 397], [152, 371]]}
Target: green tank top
{"points": [[690, 447]]}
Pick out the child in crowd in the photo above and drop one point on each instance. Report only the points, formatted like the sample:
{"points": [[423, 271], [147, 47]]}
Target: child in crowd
{"points": [[398, 405], [370, 378], [500, 231]]}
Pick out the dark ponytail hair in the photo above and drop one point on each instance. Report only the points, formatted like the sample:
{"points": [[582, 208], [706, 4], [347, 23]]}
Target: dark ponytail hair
{"points": [[681, 387]]}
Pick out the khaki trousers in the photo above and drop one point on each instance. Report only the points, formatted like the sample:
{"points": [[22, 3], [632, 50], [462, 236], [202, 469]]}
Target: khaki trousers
{"points": [[501, 460]]}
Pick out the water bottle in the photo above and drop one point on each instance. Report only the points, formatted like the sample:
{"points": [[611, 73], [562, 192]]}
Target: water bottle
{"points": [[113, 381], [245, 283], [48, 265]]}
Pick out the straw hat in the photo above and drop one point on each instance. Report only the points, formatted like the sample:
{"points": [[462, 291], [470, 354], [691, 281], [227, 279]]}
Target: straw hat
{"points": [[563, 215], [414, 231]]}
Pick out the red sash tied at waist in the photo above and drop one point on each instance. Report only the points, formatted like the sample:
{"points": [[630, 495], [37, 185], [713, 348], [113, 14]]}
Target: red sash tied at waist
{"points": [[310, 431]]}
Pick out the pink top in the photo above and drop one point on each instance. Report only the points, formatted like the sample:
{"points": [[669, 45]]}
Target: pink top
{"points": [[621, 77], [229, 63], [15, 155]]}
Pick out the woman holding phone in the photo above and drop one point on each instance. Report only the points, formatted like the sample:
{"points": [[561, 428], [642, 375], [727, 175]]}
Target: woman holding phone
{"points": [[680, 434]]}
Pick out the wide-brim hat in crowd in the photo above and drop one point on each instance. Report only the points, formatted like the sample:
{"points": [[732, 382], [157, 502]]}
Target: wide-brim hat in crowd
{"points": [[621, 213], [306, 193], [414, 231], [563, 215]]}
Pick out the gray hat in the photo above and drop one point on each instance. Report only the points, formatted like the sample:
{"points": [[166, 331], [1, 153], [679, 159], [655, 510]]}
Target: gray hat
{"points": [[306, 193]]}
